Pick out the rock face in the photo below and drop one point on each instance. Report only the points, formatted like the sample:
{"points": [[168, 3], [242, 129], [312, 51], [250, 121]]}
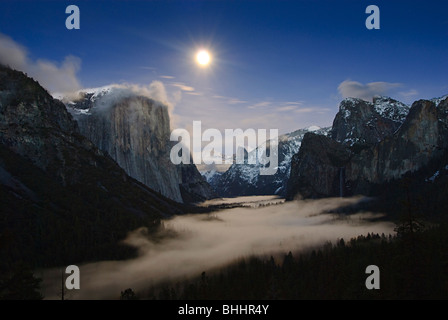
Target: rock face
{"points": [[193, 186], [362, 122], [135, 130], [317, 170], [245, 179], [418, 140], [62, 199], [26, 128], [391, 146]]}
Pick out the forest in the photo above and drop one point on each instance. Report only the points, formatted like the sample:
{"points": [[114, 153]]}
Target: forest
{"points": [[413, 265]]}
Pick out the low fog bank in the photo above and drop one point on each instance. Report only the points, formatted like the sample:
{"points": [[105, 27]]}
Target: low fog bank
{"points": [[208, 241], [248, 201]]}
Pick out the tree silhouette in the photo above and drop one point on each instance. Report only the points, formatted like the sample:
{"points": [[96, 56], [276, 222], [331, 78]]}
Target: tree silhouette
{"points": [[128, 294], [20, 284], [409, 225]]}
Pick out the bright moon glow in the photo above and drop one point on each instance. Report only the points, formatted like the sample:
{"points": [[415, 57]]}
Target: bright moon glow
{"points": [[203, 58]]}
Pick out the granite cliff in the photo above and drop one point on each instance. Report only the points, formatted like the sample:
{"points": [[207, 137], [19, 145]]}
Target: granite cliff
{"points": [[135, 130], [370, 144]]}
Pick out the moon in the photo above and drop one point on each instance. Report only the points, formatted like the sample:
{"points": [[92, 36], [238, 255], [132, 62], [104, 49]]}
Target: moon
{"points": [[203, 58]]}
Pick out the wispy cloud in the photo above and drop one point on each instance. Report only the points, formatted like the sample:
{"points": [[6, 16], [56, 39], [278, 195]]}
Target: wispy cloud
{"points": [[298, 103], [193, 93], [286, 108], [215, 111], [167, 77], [54, 76], [354, 89], [236, 101], [148, 68], [260, 105], [409, 94], [305, 110], [229, 100], [182, 86]]}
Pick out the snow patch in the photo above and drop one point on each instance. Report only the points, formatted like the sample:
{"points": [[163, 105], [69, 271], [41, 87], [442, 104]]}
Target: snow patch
{"points": [[438, 100], [434, 176], [313, 128]]}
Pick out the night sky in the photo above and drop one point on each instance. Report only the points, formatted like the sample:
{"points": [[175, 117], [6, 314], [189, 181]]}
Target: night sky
{"points": [[274, 64]]}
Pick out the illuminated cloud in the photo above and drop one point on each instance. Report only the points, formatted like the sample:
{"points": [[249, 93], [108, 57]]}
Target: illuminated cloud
{"points": [[55, 77], [409, 94], [260, 105], [354, 89], [286, 108], [235, 101], [182, 86], [193, 93], [305, 110]]}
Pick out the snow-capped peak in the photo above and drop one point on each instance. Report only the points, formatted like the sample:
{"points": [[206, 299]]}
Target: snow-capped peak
{"points": [[97, 92], [438, 100], [390, 108], [350, 100], [313, 128]]}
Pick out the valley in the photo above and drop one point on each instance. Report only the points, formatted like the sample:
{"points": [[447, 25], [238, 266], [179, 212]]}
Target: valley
{"points": [[188, 245], [203, 156]]}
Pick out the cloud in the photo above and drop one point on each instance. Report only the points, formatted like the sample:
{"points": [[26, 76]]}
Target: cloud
{"points": [[258, 105], [235, 101], [55, 77], [354, 89], [298, 103], [286, 108], [215, 111], [306, 110], [289, 106], [229, 100], [192, 93], [157, 92], [208, 241], [167, 77], [409, 94], [116, 92], [149, 68], [182, 86]]}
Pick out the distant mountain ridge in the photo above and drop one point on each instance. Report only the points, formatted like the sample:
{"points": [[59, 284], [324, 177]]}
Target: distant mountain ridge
{"points": [[245, 179]]}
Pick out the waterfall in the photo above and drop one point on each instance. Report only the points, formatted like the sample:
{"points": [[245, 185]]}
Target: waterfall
{"points": [[341, 182]]}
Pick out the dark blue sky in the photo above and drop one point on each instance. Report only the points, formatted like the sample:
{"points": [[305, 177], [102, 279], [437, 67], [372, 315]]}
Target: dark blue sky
{"points": [[278, 59]]}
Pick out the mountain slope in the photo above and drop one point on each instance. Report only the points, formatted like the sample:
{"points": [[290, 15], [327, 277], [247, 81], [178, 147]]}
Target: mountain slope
{"points": [[317, 168], [63, 200]]}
